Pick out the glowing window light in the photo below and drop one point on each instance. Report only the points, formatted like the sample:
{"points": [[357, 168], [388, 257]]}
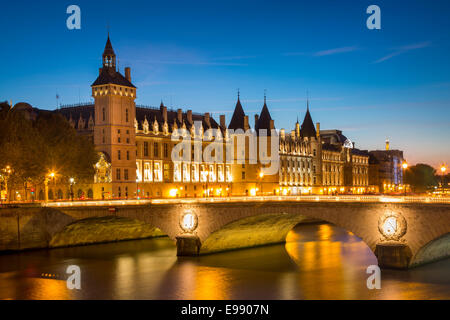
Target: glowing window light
{"points": [[173, 192]]}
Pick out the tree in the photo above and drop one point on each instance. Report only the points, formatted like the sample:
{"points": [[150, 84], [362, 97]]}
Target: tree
{"points": [[421, 177], [66, 152], [35, 145]]}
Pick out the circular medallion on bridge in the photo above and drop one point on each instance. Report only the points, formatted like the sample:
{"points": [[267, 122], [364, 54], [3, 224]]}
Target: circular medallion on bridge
{"points": [[392, 226], [188, 221]]}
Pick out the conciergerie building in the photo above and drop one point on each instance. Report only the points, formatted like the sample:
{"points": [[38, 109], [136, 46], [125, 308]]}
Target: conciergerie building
{"points": [[135, 146]]}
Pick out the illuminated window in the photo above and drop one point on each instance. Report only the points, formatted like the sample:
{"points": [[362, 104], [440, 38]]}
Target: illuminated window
{"points": [[157, 171], [203, 174], [220, 175], [212, 173], [228, 174], [194, 172], [176, 172], [138, 171], [186, 175], [147, 171]]}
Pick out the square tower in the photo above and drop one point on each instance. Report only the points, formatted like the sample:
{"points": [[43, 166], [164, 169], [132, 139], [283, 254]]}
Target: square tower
{"points": [[114, 131]]}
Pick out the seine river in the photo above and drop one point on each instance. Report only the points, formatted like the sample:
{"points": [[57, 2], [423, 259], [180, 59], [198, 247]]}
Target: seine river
{"points": [[318, 261]]}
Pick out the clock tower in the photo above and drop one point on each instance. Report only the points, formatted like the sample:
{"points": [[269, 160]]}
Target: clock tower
{"points": [[114, 132]]}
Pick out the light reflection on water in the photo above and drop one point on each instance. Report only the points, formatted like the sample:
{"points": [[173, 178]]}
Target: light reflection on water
{"points": [[316, 262]]}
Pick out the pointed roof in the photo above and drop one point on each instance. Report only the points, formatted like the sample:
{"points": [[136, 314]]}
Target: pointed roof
{"points": [[237, 120], [264, 119], [308, 129], [110, 76], [109, 51]]}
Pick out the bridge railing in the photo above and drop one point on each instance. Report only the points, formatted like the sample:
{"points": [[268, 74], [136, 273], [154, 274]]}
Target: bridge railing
{"points": [[303, 198]]}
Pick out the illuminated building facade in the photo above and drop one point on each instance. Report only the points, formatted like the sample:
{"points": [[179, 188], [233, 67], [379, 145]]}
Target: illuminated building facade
{"points": [[135, 150]]}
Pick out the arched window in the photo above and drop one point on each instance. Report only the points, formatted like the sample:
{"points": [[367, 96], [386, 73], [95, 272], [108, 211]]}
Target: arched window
{"points": [[103, 114], [126, 115]]}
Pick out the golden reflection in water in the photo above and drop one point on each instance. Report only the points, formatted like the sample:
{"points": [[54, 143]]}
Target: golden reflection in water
{"points": [[325, 232], [322, 266], [125, 273], [49, 289], [211, 284]]}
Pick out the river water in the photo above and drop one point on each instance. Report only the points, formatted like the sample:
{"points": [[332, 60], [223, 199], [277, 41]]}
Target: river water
{"points": [[318, 261]]}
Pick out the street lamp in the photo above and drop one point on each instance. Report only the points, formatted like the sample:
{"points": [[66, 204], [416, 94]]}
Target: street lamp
{"points": [[443, 169], [405, 166], [72, 182], [261, 176]]}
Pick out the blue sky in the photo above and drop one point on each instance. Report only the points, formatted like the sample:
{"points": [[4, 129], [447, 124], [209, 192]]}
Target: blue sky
{"points": [[373, 84]]}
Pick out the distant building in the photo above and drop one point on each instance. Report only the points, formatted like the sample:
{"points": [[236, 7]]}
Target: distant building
{"points": [[390, 172]]}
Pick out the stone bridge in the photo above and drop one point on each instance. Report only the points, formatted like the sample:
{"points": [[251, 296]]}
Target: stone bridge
{"points": [[400, 234]]}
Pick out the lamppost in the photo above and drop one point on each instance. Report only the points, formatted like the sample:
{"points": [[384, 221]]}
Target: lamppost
{"points": [[405, 166], [72, 182], [7, 171], [261, 176], [443, 169], [51, 175]]}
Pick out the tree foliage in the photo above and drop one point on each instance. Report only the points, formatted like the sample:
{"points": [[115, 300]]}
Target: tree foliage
{"points": [[421, 177], [33, 147]]}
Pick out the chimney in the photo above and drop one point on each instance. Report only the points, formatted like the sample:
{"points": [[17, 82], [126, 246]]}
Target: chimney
{"points": [[272, 124], [99, 71], [282, 132], [189, 116], [207, 119], [222, 121], [353, 145], [256, 120], [387, 144], [128, 73], [180, 115], [318, 129], [246, 126], [293, 134], [164, 113]]}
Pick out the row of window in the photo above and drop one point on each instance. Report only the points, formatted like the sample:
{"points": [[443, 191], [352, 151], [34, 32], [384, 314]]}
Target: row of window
{"points": [[297, 179], [183, 172], [146, 149]]}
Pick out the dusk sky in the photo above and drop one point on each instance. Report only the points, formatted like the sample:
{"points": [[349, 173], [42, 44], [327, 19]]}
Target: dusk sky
{"points": [[372, 84]]}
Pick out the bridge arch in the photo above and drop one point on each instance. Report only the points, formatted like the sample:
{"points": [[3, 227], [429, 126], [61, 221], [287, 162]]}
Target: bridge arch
{"points": [[434, 250]]}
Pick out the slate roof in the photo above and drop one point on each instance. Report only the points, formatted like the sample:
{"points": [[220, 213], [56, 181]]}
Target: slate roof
{"points": [[86, 111], [111, 76], [308, 129], [237, 120], [331, 147], [151, 114], [264, 119]]}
